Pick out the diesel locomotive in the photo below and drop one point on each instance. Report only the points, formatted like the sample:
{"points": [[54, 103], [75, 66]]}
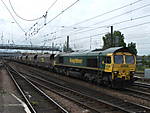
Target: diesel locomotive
{"points": [[114, 67]]}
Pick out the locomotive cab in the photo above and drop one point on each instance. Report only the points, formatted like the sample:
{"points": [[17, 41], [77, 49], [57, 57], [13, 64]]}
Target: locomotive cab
{"points": [[124, 66], [120, 67]]}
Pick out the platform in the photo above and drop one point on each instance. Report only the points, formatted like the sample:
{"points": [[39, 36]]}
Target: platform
{"points": [[10, 99]]}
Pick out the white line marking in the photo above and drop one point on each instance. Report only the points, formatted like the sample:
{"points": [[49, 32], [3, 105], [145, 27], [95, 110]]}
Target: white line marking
{"points": [[23, 104]]}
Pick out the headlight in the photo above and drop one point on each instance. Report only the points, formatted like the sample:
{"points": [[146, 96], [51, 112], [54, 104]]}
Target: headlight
{"points": [[132, 72], [115, 72]]}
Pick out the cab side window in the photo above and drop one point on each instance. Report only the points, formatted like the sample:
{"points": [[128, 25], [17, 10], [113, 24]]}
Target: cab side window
{"points": [[107, 60]]}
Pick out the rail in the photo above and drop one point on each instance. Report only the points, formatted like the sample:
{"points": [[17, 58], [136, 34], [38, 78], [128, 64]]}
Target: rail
{"points": [[117, 104], [38, 94]]}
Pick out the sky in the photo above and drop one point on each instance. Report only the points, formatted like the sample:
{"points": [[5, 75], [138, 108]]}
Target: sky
{"points": [[85, 21]]}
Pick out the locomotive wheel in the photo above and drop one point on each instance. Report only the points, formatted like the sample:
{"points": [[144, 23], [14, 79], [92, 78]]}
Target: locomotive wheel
{"points": [[86, 78]]}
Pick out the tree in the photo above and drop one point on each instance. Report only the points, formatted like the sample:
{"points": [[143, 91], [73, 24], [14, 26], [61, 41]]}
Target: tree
{"points": [[132, 47], [116, 41]]}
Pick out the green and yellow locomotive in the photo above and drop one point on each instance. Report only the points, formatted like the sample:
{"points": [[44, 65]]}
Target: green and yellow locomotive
{"points": [[114, 67]]}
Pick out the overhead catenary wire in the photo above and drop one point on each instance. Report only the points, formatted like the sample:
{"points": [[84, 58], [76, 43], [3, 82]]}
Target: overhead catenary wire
{"points": [[22, 17], [34, 18], [107, 32], [52, 5], [13, 16], [121, 14], [113, 18], [105, 13], [59, 14], [104, 26], [56, 16], [134, 26], [127, 12], [115, 24], [91, 36], [133, 19], [59, 37], [115, 10], [116, 30], [45, 16]]}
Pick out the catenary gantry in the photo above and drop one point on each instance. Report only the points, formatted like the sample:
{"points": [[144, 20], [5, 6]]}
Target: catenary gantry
{"points": [[28, 47]]}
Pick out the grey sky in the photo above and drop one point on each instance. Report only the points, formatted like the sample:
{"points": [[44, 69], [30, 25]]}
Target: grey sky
{"points": [[82, 34]]}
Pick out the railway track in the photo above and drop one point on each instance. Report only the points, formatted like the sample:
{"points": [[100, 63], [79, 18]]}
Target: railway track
{"points": [[35, 98], [141, 90], [138, 93], [90, 103], [104, 100], [139, 73], [140, 84]]}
